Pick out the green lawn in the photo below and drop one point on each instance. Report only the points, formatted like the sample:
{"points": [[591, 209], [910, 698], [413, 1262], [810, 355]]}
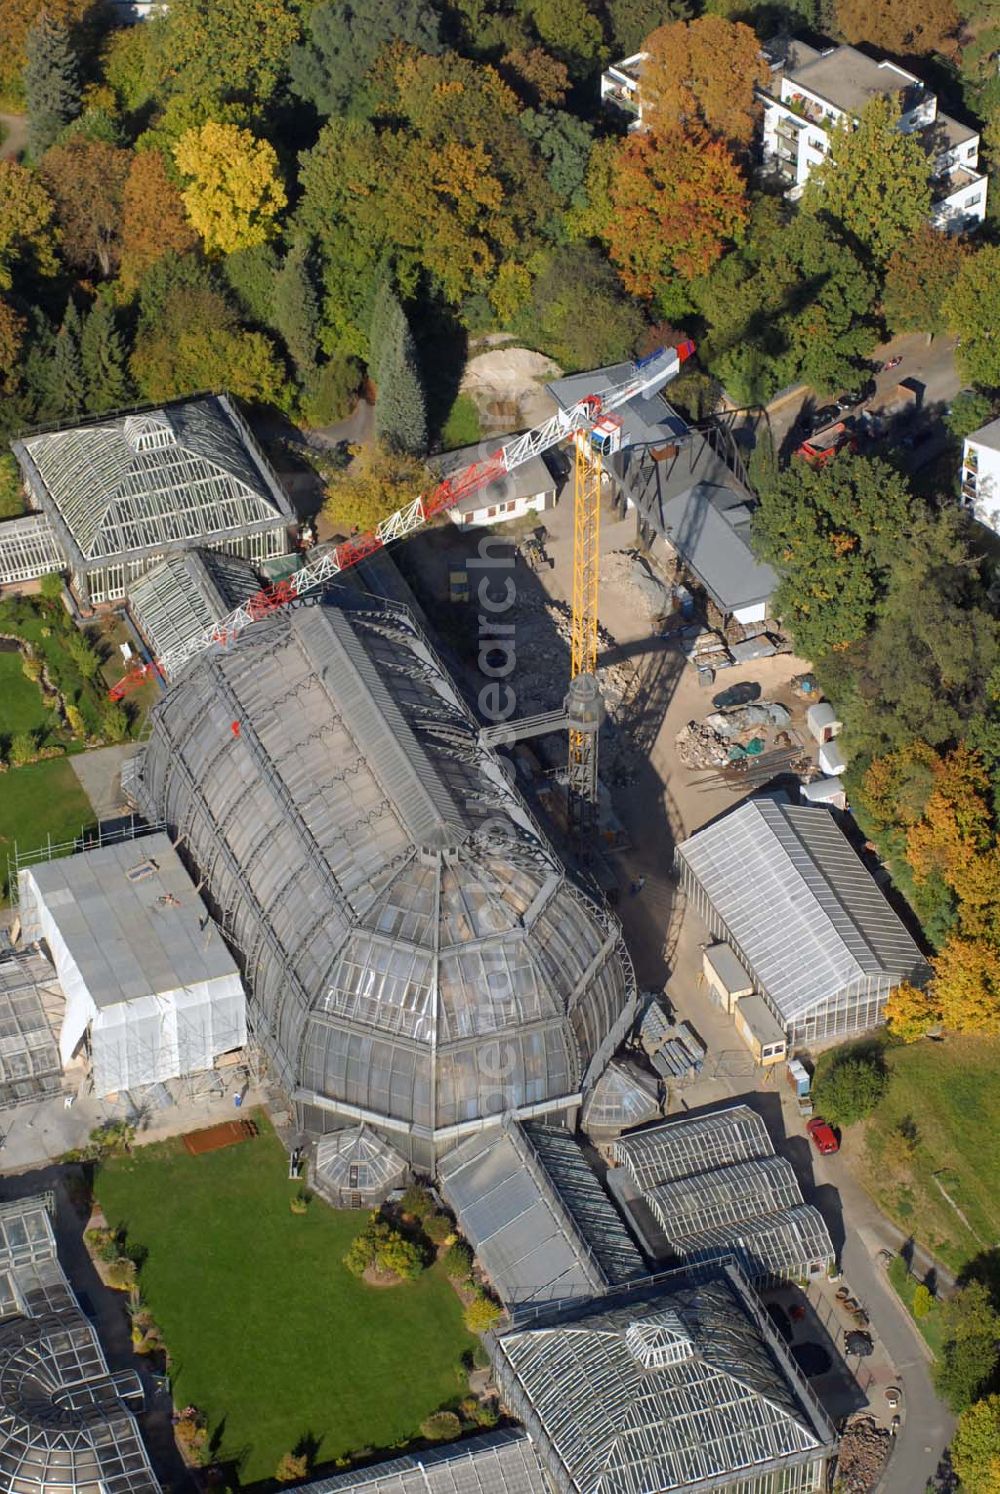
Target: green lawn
{"points": [[905, 1286], [462, 426], [947, 1094], [21, 705], [43, 799], [269, 1334]]}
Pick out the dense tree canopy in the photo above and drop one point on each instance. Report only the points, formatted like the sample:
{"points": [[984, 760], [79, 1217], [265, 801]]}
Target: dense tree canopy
{"points": [[905, 27], [875, 180], [330, 67], [16, 20], [975, 1450], [832, 533], [232, 191], [86, 179], [703, 73], [972, 309], [918, 277], [236, 50], [27, 235], [154, 222]]}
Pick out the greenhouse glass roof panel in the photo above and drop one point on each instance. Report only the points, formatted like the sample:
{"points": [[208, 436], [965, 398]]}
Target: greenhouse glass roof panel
{"points": [[141, 483], [681, 1148], [504, 1462], [612, 1410], [798, 902]]}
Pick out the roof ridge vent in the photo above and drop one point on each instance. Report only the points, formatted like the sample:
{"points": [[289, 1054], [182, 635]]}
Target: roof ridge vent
{"points": [[151, 431], [659, 1340]]}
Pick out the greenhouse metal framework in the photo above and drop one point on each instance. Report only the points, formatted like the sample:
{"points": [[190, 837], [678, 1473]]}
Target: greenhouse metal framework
{"points": [[356, 1169], [716, 1188], [783, 886], [67, 1424], [30, 1067], [537, 1217], [28, 549], [681, 1384], [186, 593], [681, 1148], [120, 493], [503, 1462], [623, 1097], [417, 958]]}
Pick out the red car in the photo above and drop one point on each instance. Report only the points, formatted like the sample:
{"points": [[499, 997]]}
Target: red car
{"points": [[824, 1137]]}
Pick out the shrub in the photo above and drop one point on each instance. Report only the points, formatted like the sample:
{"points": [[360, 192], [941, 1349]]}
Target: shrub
{"points": [[851, 1088], [385, 1248], [443, 1426], [922, 1301], [83, 655], [480, 1356], [192, 1436], [114, 722], [291, 1466], [31, 667], [121, 1274], [299, 1204], [482, 1313], [437, 1228], [330, 392], [970, 1348], [22, 749], [458, 1262], [11, 488], [417, 1202], [76, 723]]}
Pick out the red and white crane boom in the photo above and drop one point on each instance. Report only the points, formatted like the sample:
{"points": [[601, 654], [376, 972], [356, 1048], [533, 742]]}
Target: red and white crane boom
{"points": [[648, 375]]}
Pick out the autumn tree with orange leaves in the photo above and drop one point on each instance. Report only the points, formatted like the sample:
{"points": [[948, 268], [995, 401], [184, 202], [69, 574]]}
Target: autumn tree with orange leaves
{"points": [[700, 75], [906, 27], [154, 222], [677, 198]]}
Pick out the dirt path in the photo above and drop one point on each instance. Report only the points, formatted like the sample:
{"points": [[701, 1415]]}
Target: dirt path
{"points": [[15, 135]]}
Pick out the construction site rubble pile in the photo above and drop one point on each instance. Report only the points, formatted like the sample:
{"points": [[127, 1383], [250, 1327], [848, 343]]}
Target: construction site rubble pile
{"points": [[631, 575], [864, 1448], [713, 742]]}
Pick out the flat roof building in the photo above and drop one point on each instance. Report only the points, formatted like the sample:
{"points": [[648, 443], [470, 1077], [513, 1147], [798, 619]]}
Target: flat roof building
{"points": [[67, 1423], [121, 492], [541, 1225], [417, 958], [146, 977], [785, 888], [681, 1385]]}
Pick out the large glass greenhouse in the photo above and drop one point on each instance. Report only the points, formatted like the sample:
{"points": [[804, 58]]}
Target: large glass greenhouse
{"points": [[681, 1385], [122, 492], [417, 958], [681, 1148]]}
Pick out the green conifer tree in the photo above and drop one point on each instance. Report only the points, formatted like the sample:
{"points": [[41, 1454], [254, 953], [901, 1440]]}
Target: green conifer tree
{"points": [[103, 360], [51, 83], [296, 308], [400, 412], [69, 390]]}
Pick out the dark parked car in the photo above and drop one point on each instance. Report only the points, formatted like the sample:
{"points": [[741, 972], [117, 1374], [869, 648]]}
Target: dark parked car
{"points": [[856, 397], [736, 695], [820, 419]]}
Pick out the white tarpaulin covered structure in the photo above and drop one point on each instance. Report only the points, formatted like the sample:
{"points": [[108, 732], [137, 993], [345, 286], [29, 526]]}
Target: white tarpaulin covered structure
{"points": [[141, 965]]}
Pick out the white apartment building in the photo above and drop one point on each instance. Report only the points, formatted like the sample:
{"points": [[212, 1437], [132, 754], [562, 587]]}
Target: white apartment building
{"points": [[981, 474], [811, 92]]}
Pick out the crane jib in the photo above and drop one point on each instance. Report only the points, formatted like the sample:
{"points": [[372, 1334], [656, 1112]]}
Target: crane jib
{"points": [[648, 375]]}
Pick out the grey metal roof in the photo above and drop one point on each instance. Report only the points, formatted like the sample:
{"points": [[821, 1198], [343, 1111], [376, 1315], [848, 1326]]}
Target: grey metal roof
{"points": [[647, 420], [724, 1195], [799, 903], [760, 1019], [682, 1385], [185, 474], [624, 1096], [503, 1462], [29, 1055], [987, 435], [397, 909], [539, 1221], [65, 1420], [529, 480], [186, 593], [849, 79], [681, 1148], [129, 918], [709, 526]]}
